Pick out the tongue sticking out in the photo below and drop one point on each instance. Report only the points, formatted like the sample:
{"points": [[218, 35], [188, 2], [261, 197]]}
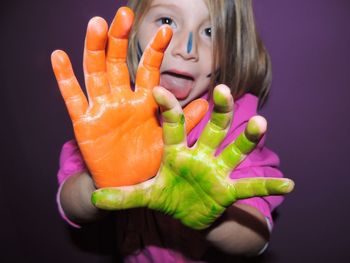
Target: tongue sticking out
{"points": [[179, 85]]}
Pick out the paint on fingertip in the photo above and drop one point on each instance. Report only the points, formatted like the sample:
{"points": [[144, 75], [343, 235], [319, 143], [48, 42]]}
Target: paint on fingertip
{"points": [[190, 43]]}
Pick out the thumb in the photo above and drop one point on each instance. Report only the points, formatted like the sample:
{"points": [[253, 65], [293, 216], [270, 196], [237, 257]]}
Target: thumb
{"points": [[124, 197]]}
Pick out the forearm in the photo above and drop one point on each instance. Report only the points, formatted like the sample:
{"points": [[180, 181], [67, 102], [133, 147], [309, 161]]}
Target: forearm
{"points": [[242, 230], [75, 199]]}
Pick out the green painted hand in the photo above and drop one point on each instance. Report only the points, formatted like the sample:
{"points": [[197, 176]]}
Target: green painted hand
{"points": [[192, 184]]}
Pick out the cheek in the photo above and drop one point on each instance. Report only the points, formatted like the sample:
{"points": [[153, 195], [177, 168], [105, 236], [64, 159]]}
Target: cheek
{"points": [[145, 35], [142, 40], [206, 60], [166, 59]]}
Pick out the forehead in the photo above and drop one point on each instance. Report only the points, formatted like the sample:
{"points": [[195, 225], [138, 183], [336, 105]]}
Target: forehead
{"points": [[184, 7]]}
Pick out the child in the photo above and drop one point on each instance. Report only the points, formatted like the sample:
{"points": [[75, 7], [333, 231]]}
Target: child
{"points": [[215, 44]]}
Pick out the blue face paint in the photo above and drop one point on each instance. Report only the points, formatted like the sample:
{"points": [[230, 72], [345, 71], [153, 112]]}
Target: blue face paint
{"points": [[189, 43], [139, 51]]}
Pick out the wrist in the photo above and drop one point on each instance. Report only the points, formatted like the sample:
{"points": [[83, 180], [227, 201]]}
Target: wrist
{"points": [[241, 230], [75, 198]]}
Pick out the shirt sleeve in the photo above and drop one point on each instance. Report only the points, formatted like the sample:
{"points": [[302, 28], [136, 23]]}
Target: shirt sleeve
{"points": [[71, 163]]}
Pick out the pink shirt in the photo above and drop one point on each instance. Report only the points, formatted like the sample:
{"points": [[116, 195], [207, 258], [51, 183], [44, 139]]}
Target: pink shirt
{"points": [[148, 236]]}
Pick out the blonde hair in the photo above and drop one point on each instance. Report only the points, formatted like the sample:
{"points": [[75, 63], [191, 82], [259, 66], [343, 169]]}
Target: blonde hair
{"points": [[238, 52]]}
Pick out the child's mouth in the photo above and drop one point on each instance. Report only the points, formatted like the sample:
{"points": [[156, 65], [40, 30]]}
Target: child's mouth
{"points": [[178, 83]]}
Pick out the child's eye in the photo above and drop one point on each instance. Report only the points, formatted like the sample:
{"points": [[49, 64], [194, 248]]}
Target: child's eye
{"points": [[167, 21], [207, 31]]}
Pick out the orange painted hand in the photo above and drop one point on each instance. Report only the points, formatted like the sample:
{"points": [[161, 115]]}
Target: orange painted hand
{"points": [[116, 128]]}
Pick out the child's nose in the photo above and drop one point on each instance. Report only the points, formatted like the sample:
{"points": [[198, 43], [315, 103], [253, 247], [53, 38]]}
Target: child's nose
{"points": [[185, 45]]}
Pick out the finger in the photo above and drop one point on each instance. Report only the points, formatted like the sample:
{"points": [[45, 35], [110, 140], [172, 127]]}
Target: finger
{"points": [[72, 94], [216, 129], [233, 154], [117, 198], [148, 74], [117, 69], [251, 187], [194, 113], [173, 117], [94, 58]]}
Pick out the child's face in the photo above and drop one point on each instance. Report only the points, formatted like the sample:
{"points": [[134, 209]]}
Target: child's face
{"points": [[187, 62]]}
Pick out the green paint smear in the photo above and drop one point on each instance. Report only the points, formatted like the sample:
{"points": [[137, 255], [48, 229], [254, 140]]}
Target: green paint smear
{"points": [[173, 133], [192, 185], [220, 99]]}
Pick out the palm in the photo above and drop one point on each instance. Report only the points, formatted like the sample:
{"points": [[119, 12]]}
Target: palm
{"points": [[192, 184], [117, 128], [126, 132], [199, 191]]}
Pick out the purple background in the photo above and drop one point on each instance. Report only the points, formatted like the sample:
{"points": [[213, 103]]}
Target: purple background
{"points": [[308, 114]]}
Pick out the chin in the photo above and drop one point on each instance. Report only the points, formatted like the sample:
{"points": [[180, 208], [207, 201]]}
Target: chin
{"points": [[183, 102]]}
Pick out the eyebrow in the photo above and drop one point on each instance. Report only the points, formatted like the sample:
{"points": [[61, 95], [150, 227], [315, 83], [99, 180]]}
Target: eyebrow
{"points": [[171, 6]]}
